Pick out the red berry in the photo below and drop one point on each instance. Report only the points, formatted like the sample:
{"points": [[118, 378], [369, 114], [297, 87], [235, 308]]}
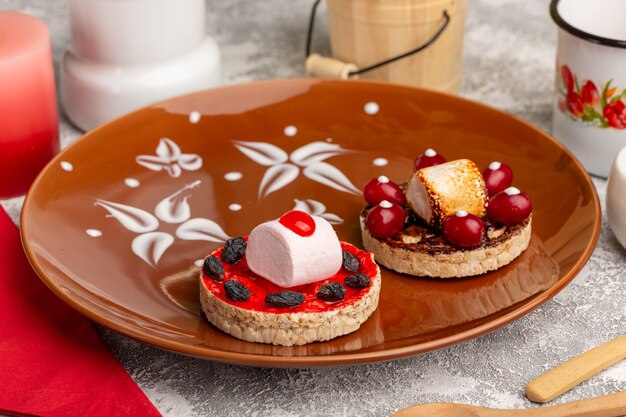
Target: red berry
{"points": [[381, 188], [498, 176], [509, 207], [385, 219], [428, 159], [298, 222], [464, 229]]}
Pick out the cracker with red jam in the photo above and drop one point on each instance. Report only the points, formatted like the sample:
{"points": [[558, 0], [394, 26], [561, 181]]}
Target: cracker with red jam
{"points": [[291, 282]]}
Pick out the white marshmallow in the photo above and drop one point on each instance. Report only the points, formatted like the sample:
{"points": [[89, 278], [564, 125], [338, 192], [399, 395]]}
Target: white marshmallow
{"points": [[287, 259], [439, 191]]}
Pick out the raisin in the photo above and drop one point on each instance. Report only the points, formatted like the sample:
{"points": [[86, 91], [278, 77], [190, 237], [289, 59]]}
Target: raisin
{"points": [[333, 291], [234, 250], [213, 268], [236, 291], [349, 261], [285, 299], [357, 281]]}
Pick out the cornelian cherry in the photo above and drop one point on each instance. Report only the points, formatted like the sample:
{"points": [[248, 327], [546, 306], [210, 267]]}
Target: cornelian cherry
{"points": [[298, 222], [381, 188], [385, 219], [428, 159], [510, 207], [464, 229], [498, 176]]}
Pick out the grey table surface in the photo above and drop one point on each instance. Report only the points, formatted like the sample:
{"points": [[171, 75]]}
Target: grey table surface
{"points": [[509, 59]]}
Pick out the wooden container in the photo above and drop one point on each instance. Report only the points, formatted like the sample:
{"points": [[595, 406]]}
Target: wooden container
{"points": [[365, 32]]}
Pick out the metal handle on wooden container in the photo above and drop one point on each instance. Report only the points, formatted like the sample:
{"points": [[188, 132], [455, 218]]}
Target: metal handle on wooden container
{"points": [[320, 66]]}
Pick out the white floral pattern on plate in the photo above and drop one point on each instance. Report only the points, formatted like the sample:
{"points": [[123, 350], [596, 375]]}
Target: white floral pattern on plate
{"points": [[151, 244], [170, 158], [309, 158], [316, 208]]}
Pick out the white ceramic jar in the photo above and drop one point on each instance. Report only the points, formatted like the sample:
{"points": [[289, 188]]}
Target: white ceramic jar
{"points": [[616, 197], [129, 53], [589, 109]]}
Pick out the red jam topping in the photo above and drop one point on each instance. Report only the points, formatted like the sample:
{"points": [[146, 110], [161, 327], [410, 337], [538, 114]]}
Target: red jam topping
{"points": [[260, 287], [298, 222]]}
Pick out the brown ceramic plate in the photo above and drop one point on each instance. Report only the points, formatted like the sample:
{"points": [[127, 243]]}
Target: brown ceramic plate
{"points": [[115, 223]]}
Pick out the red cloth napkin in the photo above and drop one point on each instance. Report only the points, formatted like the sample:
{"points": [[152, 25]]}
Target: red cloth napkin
{"points": [[52, 360]]}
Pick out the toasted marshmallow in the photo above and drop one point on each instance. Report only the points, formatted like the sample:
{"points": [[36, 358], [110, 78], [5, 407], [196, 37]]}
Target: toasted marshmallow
{"points": [[288, 259], [437, 192]]}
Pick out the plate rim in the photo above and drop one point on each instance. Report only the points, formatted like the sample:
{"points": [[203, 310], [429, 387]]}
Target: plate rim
{"points": [[261, 360]]}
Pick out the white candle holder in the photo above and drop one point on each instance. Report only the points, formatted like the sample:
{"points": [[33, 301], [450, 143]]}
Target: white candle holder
{"points": [[126, 54]]}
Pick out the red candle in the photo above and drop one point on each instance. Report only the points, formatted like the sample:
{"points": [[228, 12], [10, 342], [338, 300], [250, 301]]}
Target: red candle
{"points": [[29, 130]]}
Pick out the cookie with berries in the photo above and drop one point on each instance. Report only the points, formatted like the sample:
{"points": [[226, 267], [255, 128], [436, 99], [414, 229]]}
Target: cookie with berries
{"points": [[451, 221]]}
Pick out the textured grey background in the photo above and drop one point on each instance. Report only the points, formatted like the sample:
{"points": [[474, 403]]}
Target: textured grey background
{"points": [[508, 63]]}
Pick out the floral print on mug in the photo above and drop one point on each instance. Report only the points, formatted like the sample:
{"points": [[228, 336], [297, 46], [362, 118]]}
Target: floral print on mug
{"points": [[587, 104]]}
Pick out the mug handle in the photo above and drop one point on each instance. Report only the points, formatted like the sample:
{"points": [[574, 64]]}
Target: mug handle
{"points": [[368, 68]]}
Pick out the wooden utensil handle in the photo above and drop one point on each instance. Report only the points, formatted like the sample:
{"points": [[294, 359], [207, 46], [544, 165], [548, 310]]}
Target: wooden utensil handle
{"points": [[610, 405], [571, 373]]}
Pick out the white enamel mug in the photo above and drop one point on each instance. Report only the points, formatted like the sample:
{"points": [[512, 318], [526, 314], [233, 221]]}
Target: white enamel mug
{"points": [[616, 197], [590, 105]]}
